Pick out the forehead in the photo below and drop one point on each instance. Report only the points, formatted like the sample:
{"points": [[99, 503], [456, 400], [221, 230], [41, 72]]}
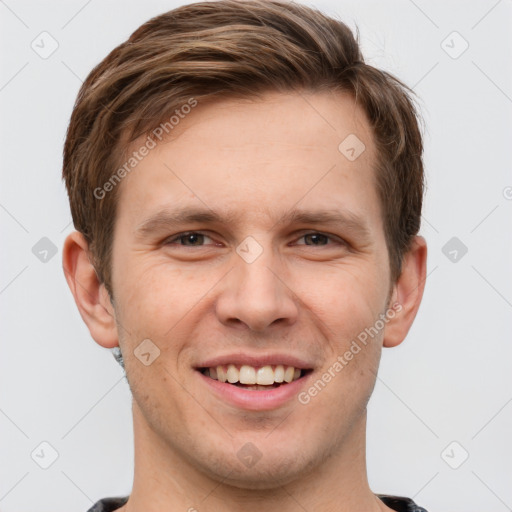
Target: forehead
{"points": [[260, 156]]}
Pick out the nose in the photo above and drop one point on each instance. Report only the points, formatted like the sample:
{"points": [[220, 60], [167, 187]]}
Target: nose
{"points": [[256, 296]]}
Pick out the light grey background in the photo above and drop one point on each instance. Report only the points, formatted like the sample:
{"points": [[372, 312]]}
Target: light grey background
{"points": [[449, 381]]}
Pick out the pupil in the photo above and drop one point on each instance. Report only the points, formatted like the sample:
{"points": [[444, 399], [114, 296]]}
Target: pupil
{"points": [[316, 238], [193, 237]]}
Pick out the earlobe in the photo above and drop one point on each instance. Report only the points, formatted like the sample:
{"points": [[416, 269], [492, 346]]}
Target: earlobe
{"points": [[90, 295], [407, 293]]}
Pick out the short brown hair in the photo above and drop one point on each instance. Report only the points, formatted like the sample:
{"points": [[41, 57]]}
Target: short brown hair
{"points": [[225, 48]]}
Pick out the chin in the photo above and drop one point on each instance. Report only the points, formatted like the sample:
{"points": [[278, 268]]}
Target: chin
{"points": [[271, 471]]}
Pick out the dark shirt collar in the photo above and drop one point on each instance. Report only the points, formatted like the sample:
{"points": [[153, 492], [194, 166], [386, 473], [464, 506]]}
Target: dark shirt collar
{"points": [[398, 503]]}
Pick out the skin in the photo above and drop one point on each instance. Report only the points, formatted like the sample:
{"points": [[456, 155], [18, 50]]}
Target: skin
{"points": [[303, 295]]}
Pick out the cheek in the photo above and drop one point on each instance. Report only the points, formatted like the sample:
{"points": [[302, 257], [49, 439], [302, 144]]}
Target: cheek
{"points": [[347, 302], [159, 302], [156, 296], [347, 297]]}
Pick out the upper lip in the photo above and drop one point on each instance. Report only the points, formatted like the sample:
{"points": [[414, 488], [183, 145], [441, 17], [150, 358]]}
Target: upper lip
{"points": [[256, 360]]}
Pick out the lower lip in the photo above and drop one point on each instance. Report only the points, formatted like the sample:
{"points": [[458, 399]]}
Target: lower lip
{"points": [[252, 399]]}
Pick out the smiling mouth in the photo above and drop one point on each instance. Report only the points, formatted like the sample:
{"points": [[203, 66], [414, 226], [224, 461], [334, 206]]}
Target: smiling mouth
{"points": [[255, 378]]}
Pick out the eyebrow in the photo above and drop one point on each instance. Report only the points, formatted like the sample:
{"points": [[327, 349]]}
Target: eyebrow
{"points": [[173, 218]]}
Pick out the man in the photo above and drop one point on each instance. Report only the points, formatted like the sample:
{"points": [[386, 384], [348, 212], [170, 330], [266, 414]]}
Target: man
{"points": [[247, 195]]}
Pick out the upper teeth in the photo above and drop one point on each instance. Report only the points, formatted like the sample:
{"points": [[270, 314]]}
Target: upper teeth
{"points": [[265, 375]]}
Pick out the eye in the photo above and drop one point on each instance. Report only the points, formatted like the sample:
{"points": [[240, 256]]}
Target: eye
{"points": [[189, 239], [199, 239], [319, 239]]}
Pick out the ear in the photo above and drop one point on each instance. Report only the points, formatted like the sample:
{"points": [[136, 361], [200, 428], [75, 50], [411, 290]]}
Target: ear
{"points": [[90, 294], [407, 293]]}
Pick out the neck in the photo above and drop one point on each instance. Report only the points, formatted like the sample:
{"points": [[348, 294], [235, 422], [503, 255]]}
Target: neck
{"points": [[165, 480]]}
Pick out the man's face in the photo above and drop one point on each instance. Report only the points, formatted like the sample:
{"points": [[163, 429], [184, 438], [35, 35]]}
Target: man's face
{"points": [[257, 287]]}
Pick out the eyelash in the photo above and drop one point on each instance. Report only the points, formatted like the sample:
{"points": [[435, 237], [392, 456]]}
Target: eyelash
{"points": [[179, 236]]}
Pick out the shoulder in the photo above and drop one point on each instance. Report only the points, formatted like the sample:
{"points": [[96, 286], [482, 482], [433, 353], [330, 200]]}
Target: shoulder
{"points": [[108, 504], [400, 503]]}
